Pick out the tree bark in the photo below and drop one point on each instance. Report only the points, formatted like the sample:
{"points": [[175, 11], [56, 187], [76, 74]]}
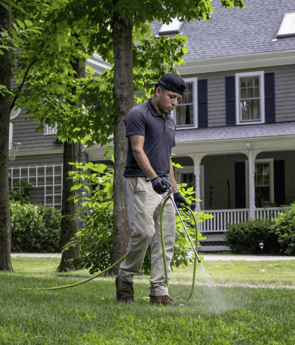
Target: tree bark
{"points": [[5, 79], [124, 100], [72, 153]]}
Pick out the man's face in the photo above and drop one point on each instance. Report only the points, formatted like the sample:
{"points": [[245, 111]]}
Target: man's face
{"points": [[167, 100]]}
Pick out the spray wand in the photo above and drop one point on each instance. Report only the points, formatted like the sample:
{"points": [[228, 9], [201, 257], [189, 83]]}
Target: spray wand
{"points": [[169, 195]]}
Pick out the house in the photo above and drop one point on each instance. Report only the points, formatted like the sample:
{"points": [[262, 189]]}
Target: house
{"points": [[235, 125]]}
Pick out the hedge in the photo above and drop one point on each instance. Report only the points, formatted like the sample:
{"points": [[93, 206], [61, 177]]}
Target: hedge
{"points": [[34, 228], [284, 228], [244, 238]]}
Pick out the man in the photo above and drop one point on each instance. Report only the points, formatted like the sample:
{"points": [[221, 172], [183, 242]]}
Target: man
{"points": [[151, 135]]}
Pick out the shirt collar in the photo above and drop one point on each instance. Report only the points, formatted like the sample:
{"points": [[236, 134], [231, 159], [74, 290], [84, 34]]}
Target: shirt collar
{"points": [[154, 110]]}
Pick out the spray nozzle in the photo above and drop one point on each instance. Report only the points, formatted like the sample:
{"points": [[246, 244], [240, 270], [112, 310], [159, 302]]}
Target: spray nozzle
{"points": [[167, 184]]}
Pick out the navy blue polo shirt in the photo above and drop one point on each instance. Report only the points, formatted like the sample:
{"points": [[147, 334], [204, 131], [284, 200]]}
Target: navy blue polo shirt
{"points": [[159, 136]]}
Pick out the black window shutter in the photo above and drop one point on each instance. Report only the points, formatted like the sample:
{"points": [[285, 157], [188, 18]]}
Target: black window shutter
{"points": [[202, 103], [230, 95], [269, 89], [279, 182], [240, 184]]}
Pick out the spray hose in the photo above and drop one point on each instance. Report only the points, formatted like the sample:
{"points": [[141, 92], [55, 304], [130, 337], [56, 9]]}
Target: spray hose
{"points": [[197, 258], [84, 281]]}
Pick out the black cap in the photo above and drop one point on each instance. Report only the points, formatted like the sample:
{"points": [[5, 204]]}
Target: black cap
{"points": [[172, 82]]}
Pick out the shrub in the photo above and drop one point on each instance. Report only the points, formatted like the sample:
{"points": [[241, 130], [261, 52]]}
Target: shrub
{"points": [[245, 237], [34, 228], [20, 192], [96, 239], [284, 228]]}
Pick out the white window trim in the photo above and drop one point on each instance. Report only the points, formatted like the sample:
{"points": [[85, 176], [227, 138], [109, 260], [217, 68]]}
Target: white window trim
{"points": [[271, 178], [48, 130], [171, 28], [195, 106], [287, 28], [10, 134], [260, 74]]}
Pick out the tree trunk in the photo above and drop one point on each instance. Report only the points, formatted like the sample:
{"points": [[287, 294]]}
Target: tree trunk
{"points": [[72, 153], [124, 99], [5, 79]]}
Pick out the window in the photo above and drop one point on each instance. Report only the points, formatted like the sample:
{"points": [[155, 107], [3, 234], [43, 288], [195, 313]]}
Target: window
{"points": [[172, 28], [185, 113], [49, 130], [264, 182], [47, 181], [287, 28], [250, 98], [188, 178]]}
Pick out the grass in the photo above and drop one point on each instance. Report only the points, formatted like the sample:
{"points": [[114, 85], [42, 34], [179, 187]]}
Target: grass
{"points": [[89, 314]]}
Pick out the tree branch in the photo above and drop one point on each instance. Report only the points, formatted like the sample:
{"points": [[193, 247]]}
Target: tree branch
{"points": [[26, 74]]}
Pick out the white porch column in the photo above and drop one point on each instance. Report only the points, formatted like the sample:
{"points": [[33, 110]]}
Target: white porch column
{"points": [[251, 183], [197, 171]]}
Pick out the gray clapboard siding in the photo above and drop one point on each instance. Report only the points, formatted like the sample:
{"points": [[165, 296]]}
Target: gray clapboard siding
{"points": [[13, 84], [24, 131], [216, 100], [285, 93], [37, 160]]}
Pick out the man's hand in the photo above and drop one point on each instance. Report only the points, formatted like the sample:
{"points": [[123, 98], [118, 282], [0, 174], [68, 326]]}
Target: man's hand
{"points": [[179, 199], [158, 185]]}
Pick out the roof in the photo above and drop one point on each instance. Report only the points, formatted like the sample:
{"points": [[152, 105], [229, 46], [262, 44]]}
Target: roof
{"points": [[238, 31], [236, 132]]}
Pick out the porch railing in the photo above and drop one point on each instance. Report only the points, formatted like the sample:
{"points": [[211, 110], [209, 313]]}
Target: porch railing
{"points": [[221, 218]]}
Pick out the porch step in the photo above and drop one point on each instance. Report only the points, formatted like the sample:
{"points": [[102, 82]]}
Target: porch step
{"points": [[213, 237], [214, 242], [213, 248]]}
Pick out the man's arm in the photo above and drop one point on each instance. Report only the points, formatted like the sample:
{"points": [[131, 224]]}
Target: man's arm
{"points": [[137, 142], [172, 178]]}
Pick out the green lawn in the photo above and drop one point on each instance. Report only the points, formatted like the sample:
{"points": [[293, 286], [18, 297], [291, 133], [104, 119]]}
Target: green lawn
{"points": [[89, 314]]}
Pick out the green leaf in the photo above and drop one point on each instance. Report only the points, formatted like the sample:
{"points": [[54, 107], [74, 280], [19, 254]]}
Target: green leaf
{"points": [[28, 23], [106, 155], [76, 186], [177, 165], [21, 24]]}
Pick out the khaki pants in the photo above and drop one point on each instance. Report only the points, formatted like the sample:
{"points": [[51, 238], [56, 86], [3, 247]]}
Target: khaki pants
{"points": [[143, 207]]}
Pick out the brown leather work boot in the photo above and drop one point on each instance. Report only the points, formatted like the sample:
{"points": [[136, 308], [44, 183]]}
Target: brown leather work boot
{"points": [[165, 300], [125, 291]]}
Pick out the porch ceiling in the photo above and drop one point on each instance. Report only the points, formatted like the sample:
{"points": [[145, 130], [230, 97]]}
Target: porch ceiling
{"points": [[234, 139]]}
